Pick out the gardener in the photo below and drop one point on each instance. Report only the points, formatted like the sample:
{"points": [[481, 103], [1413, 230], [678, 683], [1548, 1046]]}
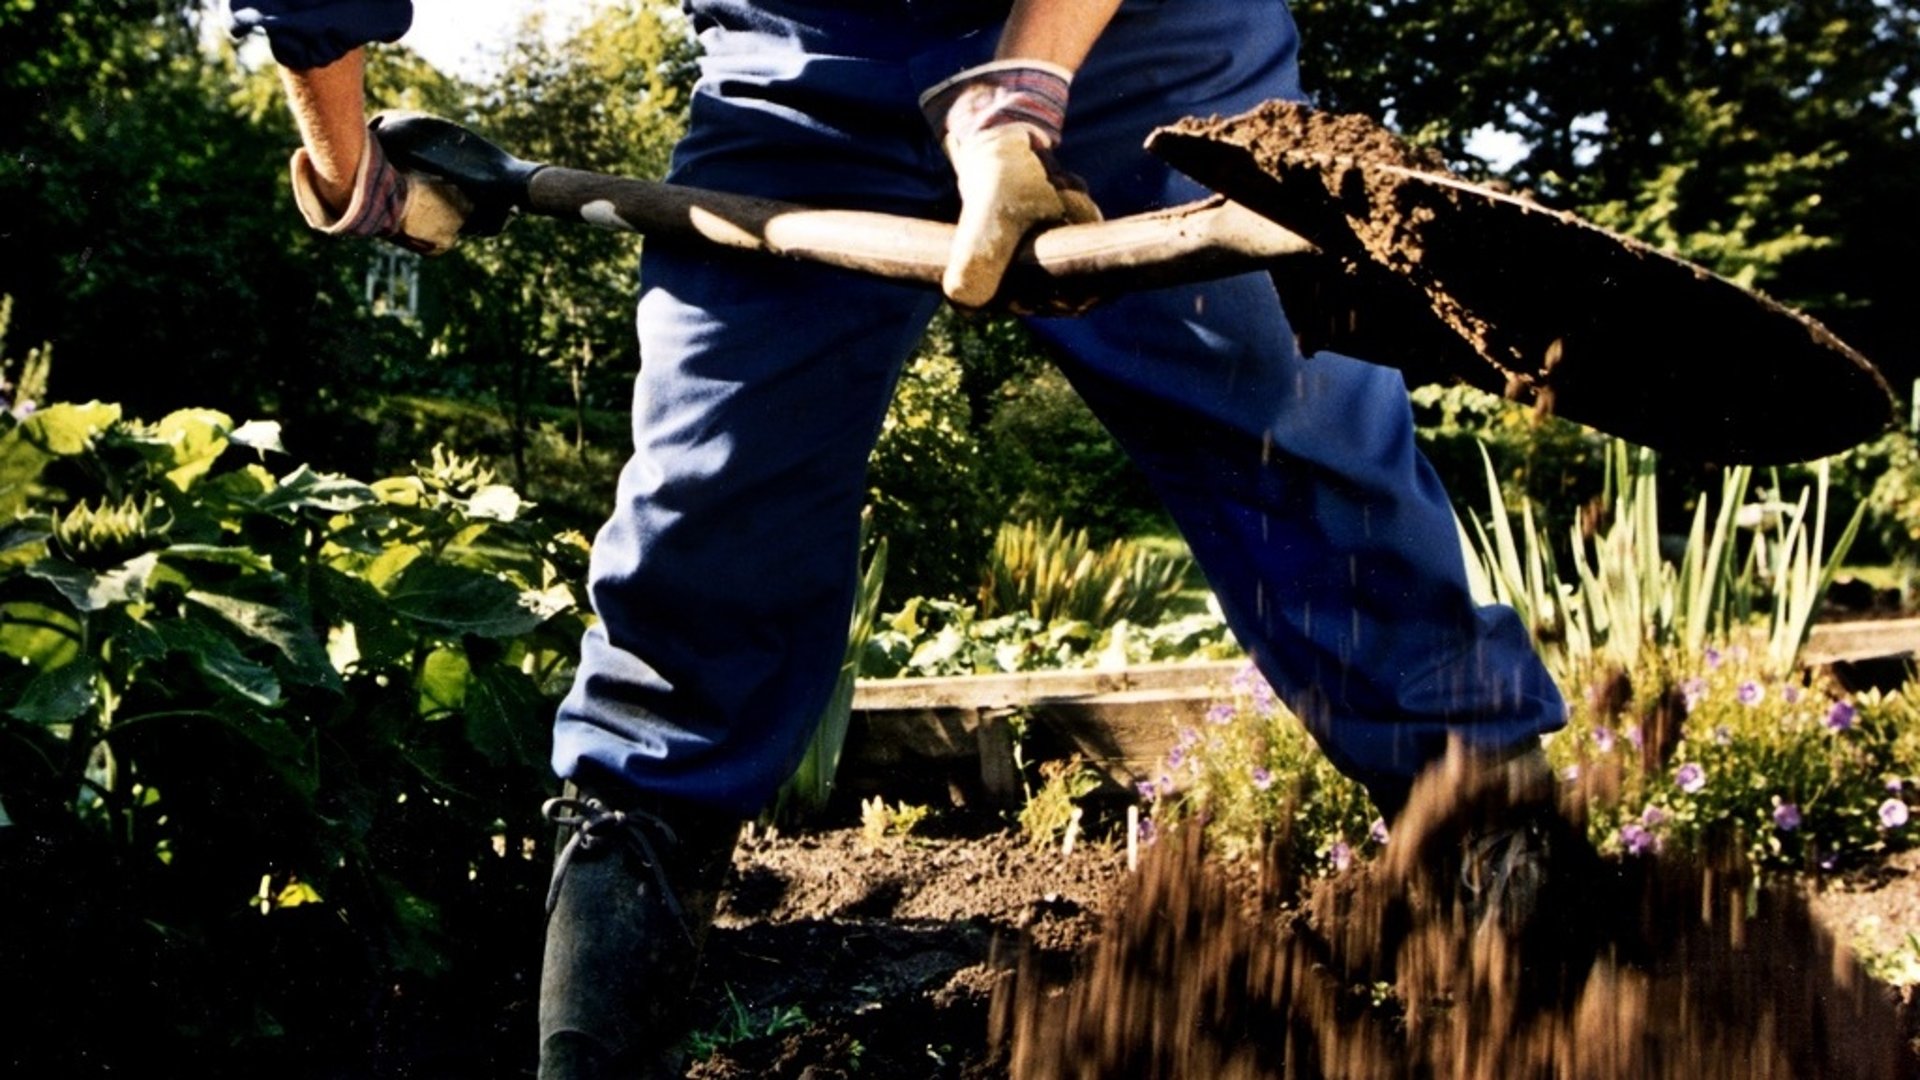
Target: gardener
{"points": [[724, 578]]}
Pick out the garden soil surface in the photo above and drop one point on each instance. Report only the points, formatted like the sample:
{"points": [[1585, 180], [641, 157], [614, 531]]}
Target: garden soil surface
{"points": [[963, 950]]}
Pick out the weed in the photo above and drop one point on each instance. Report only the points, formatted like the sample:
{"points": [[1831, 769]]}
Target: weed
{"points": [[880, 822], [743, 1024]]}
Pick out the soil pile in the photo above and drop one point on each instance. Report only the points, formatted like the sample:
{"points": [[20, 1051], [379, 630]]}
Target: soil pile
{"points": [[1637, 968]]}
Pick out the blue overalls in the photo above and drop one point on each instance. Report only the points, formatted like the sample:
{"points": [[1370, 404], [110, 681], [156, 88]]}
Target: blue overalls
{"points": [[724, 577]]}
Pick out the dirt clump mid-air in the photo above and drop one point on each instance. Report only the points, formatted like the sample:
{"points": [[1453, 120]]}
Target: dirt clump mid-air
{"points": [[1630, 967]]}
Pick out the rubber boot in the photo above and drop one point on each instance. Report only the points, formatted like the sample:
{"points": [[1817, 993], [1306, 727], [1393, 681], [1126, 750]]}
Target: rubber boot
{"points": [[634, 890]]}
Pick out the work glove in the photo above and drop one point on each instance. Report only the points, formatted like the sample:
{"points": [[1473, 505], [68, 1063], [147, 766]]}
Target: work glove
{"points": [[417, 212], [1000, 123]]}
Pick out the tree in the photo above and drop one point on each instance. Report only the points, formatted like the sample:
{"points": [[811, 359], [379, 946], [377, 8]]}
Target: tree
{"points": [[1773, 140], [547, 297]]}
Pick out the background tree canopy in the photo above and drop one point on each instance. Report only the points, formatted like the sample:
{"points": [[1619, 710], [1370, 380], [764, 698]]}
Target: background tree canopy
{"points": [[152, 241]]}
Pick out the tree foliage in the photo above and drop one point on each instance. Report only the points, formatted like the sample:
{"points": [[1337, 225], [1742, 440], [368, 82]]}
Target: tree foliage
{"points": [[1773, 140]]}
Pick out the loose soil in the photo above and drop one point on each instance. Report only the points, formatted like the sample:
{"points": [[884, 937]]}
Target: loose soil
{"points": [[969, 952]]}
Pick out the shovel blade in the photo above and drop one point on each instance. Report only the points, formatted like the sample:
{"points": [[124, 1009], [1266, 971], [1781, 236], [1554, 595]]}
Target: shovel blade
{"points": [[1439, 276]]}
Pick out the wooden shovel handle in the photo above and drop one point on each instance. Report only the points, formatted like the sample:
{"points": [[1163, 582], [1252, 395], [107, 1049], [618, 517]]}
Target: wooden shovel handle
{"points": [[1062, 268]]}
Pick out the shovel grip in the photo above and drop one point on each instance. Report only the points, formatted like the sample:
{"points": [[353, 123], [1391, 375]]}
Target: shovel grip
{"points": [[1063, 268]]}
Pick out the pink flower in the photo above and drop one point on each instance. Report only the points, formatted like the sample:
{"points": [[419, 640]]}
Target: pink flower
{"points": [[1262, 778], [1751, 693], [1341, 855]]}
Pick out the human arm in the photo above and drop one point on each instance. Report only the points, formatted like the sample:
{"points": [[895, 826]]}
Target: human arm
{"points": [[341, 178], [1000, 123]]}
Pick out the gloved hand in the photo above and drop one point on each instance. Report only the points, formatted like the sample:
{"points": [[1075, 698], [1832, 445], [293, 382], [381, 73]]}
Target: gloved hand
{"points": [[999, 124], [420, 213]]}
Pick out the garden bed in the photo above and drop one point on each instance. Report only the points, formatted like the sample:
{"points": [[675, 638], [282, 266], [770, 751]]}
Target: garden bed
{"points": [[835, 958]]}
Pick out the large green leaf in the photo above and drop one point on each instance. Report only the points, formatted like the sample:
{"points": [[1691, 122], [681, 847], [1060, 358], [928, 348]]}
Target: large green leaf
{"points": [[304, 489], [460, 600], [43, 636], [24, 531], [195, 438], [220, 661], [379, 639], [89, 590], [59, 696], [507, 716], [444, 680], [65, 429], [273, 617]]}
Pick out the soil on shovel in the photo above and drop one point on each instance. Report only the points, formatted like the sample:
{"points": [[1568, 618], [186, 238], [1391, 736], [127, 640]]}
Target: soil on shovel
{"points": [[1452, 280]]}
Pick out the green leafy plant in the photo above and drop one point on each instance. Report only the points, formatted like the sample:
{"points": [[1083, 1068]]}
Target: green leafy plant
{"points": [[243, 692], [1249, 769], [880, 822], [1054, 807], [1625, 597], [942, 637], [1716, 750], [744, 1024], [1055, 575]]}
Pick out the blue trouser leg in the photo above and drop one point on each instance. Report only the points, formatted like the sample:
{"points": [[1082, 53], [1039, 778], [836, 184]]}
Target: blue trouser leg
{"points": [[724, 578], [1323, 531]]}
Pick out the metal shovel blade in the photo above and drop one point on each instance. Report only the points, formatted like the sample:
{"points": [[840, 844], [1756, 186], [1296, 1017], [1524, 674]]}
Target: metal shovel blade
{"points": [[1541, 306]]}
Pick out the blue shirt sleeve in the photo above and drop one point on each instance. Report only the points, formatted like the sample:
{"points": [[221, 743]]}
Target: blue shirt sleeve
{"points": [[314, 33]]}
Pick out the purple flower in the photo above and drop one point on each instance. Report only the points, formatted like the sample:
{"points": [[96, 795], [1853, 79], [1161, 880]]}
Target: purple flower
{"points": [[1751, 693], [1786, 816], [1652, 816], [1690, 777], [1603, 739], [1895, 784], [1148, 790], [1633, 736], [1148, 831], [1262, 779], [1220, 714], [1249, 681], [1637, 839], [1176, 757], [1713, 658], [1790, 694], [1693, 692], [1378, 832], [1893, 813], [1340, 855], [1842, 716]]}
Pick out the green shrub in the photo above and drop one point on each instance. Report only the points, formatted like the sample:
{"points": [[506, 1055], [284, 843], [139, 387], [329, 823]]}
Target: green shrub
{"points": [[290, 726], [1050, 458], [1250, 769], [1716, 749], [925, 486], [1055, 575], [944, 637]]}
